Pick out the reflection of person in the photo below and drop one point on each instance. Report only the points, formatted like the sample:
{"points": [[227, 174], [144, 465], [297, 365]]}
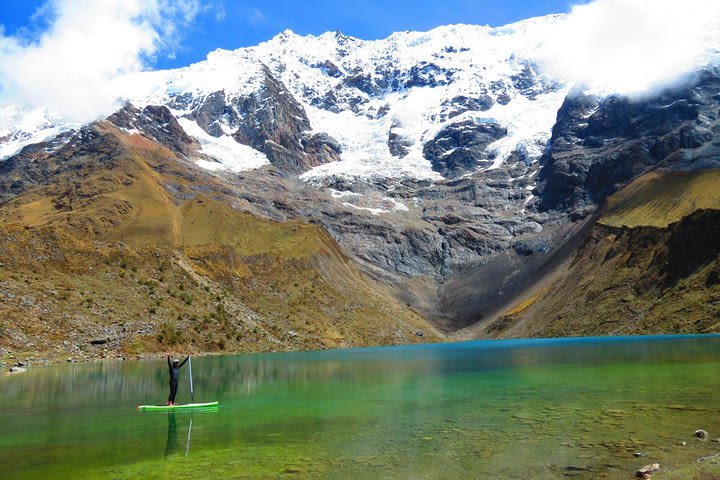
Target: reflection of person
{"points": [[174, 368], [172, 443]]}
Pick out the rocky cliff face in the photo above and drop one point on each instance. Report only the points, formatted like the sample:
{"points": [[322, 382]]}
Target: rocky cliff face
{"points": [[599, 145], [269, 120]]}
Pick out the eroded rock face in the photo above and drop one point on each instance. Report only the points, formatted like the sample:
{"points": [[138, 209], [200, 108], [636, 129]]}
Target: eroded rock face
{"points": [[39, 164], [274, 123], [463, 103], [157, 123], [398, 144], [460, 147], [321, 147], [599, 145], [213, 112], [271, 121]]}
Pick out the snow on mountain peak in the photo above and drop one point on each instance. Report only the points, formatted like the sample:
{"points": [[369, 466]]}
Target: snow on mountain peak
{"points": [[408, 86], [383, 101]]}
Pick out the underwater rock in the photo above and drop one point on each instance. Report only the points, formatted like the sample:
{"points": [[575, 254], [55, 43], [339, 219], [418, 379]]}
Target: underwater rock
{"points": [[645, 471], [573, 468]]}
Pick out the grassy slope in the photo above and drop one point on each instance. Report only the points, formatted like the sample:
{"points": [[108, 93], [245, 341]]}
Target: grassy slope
{"points": [[106, 251], [656, 277], [661, 198]]}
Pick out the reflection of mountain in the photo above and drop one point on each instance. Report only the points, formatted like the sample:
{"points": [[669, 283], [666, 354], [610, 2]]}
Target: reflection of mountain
{"points": [[239, 378]]}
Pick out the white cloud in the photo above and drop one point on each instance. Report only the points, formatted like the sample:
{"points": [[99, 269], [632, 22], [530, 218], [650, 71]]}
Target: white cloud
{"points": [[255, 16], [631, 46], [220, 12], [69, 66]]}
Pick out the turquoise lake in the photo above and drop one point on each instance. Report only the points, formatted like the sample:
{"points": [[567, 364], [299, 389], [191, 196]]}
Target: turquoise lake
{"points": [[499, 410]]}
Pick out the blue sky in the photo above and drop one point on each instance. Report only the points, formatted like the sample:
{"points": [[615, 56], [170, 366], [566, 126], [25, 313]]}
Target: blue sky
{"points": [[231, 24]]}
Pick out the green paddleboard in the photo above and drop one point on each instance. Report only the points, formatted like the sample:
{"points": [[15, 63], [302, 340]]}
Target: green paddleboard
{"points": [[176, 407]]}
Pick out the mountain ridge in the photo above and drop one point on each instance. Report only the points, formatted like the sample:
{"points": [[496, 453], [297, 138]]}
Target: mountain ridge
{"points": [[449, 177]]}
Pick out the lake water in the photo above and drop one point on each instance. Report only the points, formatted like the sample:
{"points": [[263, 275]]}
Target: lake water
{"points": [[497, 410]]}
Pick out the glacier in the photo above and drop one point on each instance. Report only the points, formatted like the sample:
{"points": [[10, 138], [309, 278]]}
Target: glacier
{"points": [[404, 84]]}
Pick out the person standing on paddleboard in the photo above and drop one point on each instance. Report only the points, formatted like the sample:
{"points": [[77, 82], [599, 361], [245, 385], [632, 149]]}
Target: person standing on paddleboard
{"points": [[174, 368]]}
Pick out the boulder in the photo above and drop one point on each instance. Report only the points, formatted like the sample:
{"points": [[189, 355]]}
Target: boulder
{"points": [[645, 471]]}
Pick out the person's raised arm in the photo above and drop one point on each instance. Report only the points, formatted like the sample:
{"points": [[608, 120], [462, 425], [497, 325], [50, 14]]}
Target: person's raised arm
{"points": [[183, 362]]}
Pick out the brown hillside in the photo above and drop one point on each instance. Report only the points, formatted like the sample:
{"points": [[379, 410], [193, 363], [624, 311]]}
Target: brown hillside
{"points": [[137, 247], [659, 275]]}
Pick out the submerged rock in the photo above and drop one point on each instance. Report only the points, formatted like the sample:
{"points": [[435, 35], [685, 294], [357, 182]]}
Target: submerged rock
{"points": [[574, 468], [645, 471]]}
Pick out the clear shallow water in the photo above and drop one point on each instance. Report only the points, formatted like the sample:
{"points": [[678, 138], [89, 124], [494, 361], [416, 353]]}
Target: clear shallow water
{"points": [[501, 410]]}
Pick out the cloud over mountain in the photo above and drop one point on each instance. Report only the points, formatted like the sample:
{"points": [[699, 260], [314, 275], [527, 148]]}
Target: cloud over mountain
{"points": [[630, 46], [68, 67]]}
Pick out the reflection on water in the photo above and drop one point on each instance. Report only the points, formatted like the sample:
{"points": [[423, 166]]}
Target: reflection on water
{"points": [[172, 444], [145, 382], [478, 409], [187, 443]]}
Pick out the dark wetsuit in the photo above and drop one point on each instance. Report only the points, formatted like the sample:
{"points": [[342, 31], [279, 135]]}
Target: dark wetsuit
{"points": [[174, 376]]}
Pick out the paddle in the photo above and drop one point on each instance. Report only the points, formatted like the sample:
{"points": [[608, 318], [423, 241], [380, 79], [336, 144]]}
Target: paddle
{"points": [[192, 394]]}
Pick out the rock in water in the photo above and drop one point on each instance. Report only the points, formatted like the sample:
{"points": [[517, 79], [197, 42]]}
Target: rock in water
{"points": [[573, 468], [645, 471]]}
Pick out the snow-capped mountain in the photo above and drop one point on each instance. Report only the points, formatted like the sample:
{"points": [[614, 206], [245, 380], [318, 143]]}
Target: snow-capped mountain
{"points": [[385, 109], [450, 164], [21, 126]]}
